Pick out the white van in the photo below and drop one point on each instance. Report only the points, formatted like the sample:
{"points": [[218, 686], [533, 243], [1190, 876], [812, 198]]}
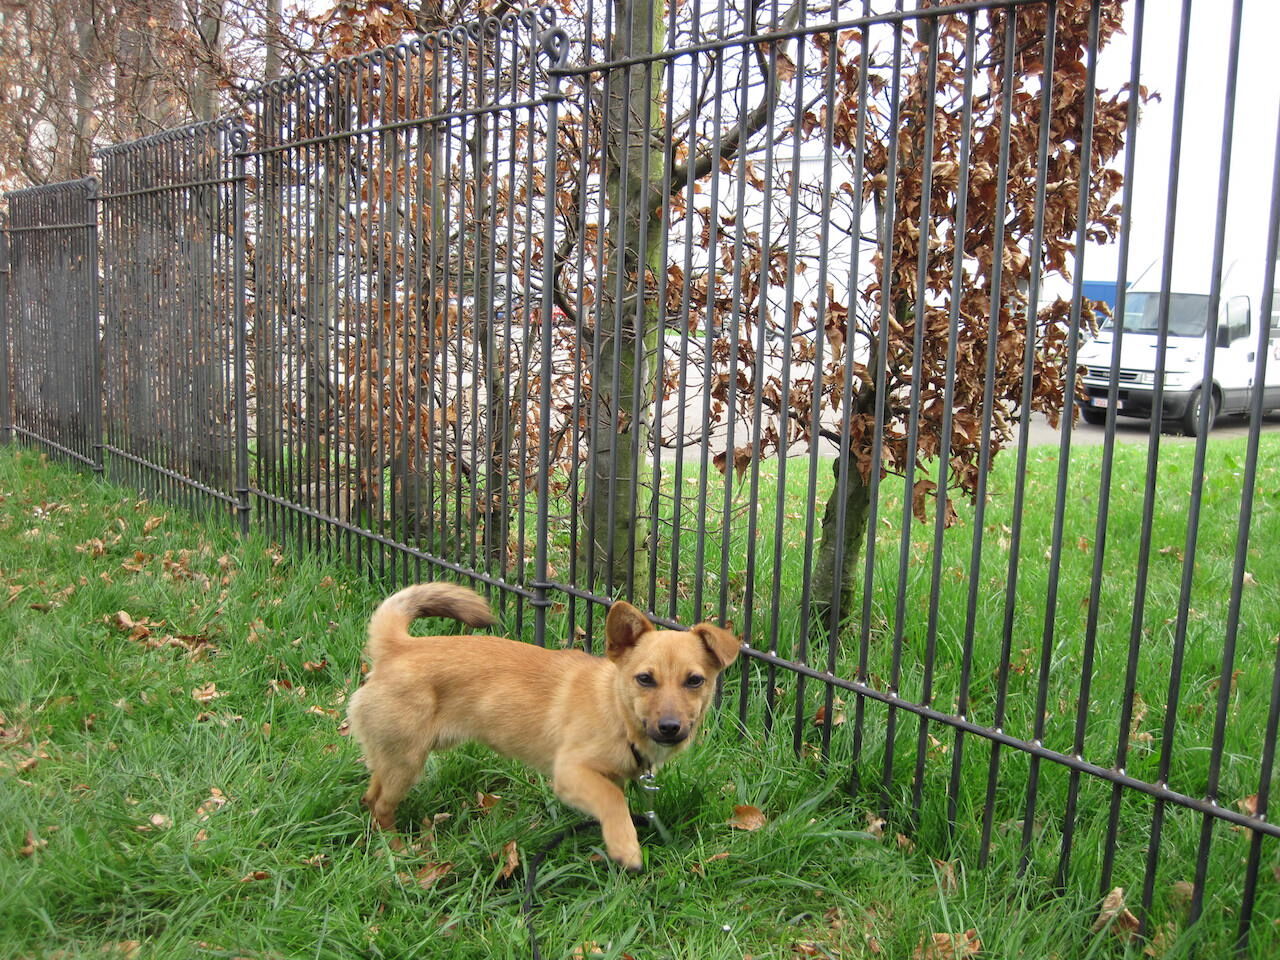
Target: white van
{"points": [[1235, 353]]}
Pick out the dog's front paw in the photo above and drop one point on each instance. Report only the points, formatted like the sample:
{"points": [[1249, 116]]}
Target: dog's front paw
{"points": [[628, 855]]}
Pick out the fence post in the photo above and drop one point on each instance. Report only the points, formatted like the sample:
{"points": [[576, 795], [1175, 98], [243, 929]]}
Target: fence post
{"points": [[6, 414], [239, 142], [555, 44], [94, 307]]}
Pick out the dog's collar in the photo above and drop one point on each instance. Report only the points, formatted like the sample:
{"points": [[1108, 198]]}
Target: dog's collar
{"points": [[643, 763]]}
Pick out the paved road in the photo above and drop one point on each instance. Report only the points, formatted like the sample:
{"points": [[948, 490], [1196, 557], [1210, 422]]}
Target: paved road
{"points": [[1130, 430]]}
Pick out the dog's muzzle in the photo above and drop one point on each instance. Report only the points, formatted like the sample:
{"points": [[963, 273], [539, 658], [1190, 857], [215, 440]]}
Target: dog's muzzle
{"points": [[668, 732]]}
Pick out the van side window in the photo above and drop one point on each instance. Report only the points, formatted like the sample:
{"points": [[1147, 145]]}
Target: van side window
{"points": [[1238, 317]]}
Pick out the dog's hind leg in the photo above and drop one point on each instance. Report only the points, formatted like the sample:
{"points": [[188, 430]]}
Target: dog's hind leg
{"points": [[391, 774], [396, 743]]}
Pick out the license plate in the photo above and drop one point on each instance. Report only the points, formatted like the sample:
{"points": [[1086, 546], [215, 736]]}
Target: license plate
{"points": [[1101, 401]]}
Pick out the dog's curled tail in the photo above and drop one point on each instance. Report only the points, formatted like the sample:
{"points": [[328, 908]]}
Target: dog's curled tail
{"points": [[390, 622]]}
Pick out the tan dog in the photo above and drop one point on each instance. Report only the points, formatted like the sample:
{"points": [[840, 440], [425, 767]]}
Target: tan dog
{"points": [[591, 723]]}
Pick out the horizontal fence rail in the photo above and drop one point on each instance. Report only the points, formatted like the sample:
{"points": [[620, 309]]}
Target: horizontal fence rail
{"points": [[755, 318]]}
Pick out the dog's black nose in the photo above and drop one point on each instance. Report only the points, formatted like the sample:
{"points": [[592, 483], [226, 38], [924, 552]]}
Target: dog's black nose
{"points": [[669, 729]]}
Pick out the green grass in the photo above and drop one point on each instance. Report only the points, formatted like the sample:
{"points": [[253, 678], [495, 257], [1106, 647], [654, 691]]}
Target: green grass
{"points": [[115, 837]]}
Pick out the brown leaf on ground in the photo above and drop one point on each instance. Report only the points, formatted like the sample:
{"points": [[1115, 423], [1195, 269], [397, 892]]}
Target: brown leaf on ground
{"points": [[487, 801], [31, 845], [1182, 892], [510, 857], [746, 817], [255, 875], [948, 946], [427, 876], [820, 717], [152, 523], [211, 806], [946, 871], [314, 666], [1162, 942], [157, 821], [123, 948], [1116, 916], [875, 825], [206, 694]]}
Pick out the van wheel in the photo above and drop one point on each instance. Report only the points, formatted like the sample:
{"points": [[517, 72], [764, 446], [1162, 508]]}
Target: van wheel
{"points": [[1097, 418], [1191, 419]]}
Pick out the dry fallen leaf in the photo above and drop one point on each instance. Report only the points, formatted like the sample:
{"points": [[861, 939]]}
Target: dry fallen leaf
{"points": [[946, 873], [1115, 915], [32, 844], [206, 693], [747, 818], [153, 522], [255, 875], [216, 799], [875, 825], [511, 859], [487, 801], [1182, 892], [948, 946], [428, 875], [157, 821]]}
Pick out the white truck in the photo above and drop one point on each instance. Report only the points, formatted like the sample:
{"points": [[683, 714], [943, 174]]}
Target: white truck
{"points": [[1234, 342]]}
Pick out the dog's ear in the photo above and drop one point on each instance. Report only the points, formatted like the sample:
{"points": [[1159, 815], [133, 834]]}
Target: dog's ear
{"points": [[721, 643], [623, 628]]}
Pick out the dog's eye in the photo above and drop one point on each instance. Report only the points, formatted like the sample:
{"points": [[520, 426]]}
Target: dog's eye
{"points": [[646, 680], [695, 680]]}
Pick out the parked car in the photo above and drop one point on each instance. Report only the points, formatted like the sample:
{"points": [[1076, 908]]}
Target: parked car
{"points": [[1234, 340]]}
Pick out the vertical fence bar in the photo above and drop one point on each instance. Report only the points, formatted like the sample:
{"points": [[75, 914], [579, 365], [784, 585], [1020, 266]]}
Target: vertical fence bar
{"points": [[239, 137], [1266, 766], [554, 44], [6, 400]]}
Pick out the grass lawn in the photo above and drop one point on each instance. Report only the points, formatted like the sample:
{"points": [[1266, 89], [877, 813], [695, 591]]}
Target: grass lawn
{"points": [[174, 781]]}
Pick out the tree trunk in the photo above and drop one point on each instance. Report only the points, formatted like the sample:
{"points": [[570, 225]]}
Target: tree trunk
{"points": [[621, 377], [845, 539]]}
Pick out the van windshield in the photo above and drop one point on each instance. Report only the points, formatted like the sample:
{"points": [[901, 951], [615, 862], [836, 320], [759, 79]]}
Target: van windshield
{"points": [[1187, 313]]}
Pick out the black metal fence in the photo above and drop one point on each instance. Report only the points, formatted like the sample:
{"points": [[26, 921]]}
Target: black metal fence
{"points": [[51, 393], [731, 316]]}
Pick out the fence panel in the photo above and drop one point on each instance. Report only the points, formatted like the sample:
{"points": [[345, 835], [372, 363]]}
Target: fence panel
{"points": [[775, 318], [171, 305], [53, 394], [821, 283], [394, 325]]}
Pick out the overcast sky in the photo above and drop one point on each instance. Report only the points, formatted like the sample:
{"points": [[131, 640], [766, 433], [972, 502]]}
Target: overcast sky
{"points": [[1253, 147]]}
